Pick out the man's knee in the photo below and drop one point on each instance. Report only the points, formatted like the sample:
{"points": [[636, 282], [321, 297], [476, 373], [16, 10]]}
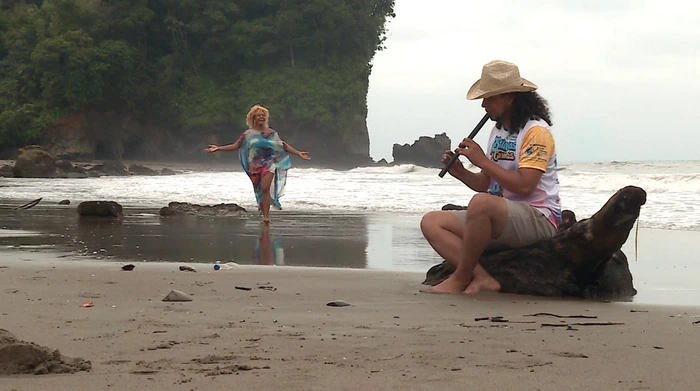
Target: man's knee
{"points": [[486, 205], [430, 221]]}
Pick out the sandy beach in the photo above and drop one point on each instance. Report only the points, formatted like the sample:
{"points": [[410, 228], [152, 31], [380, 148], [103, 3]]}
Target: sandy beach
{"points": [[261, 327], [391, 337]]}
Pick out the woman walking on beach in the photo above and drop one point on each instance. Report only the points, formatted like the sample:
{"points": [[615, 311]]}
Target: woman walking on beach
{"points": [[264, 157]]}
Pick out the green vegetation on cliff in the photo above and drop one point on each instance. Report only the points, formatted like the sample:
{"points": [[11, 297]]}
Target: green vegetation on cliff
{"points": [[195, 64]]}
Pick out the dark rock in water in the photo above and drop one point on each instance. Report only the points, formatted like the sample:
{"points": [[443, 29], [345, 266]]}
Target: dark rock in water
{"points": [[186, 208], [34, 162], [75, 175], [100, 209], [111, 168], [382, 163], [24, 358], [64, 202], [64, 165], [583, 261], [453, 207], [66, 169], [425, 152], [138, 169], [128, 267], [6, 171], [167, 171]]}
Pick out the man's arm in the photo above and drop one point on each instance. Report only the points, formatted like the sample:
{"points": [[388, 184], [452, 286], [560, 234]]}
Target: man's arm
{"points": [[477, 181], [535, 152]]}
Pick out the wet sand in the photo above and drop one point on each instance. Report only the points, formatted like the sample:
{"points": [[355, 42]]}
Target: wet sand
{"points": [[666, 270]]}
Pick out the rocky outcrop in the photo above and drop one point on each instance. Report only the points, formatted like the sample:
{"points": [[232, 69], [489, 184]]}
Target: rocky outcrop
{"points": [[36, 162], [6, 171], [584, 260], [425, 152], [101, 134], [188, 209], [138, 169], [382, 163], [110, 168]]}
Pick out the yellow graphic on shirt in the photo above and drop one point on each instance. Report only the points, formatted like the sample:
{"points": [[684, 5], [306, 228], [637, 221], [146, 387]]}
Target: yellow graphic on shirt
{"points": [[537, 148]]}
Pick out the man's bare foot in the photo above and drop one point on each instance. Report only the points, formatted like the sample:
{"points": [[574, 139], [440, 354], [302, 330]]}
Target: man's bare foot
{"points": [[479, 284], [265, 221], [450, 285]]}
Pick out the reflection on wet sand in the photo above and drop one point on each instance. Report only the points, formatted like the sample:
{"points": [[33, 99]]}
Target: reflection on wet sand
{"points": [[142, 235], [267, 251]]}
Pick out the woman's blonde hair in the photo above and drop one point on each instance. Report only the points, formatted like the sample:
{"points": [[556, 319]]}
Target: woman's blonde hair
{"points": [[250, 118]]}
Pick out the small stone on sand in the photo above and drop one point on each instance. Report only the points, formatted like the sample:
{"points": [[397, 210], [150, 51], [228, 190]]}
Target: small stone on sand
{"points": [[338, 303], [176, 295]]}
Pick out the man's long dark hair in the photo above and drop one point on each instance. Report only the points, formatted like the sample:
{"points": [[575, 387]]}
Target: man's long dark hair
{"points": [[527, 106]]}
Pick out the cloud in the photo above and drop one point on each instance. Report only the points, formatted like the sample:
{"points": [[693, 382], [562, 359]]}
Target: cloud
{"points": [[627, 66]]}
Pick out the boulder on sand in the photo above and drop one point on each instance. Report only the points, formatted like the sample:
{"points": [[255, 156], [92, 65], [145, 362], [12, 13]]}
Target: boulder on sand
{"points": [[99, 209], [188, 209]]}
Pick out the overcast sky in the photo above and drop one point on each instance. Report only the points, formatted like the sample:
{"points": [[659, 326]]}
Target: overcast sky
{"points": [[622, 77]]}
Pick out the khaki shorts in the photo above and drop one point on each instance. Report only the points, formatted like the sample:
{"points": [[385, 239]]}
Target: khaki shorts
{"points": [[526, 225]]}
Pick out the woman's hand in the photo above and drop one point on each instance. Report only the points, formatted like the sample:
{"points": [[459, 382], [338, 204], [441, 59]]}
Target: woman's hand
{"points": [[304, 155], [212, 148]]}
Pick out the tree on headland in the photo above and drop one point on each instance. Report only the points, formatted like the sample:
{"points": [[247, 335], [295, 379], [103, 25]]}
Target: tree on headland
{"points": [[190, 64]]}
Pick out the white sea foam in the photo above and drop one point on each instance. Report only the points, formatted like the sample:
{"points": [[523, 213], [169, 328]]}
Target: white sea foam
{"points": [[673, 190]]}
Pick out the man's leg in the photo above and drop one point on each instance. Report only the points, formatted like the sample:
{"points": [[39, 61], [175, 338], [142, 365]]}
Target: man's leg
{"points": [[485, 221], [443, 230], [524, 226]]}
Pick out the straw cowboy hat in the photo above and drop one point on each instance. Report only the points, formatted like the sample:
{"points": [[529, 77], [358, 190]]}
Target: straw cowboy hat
{"points": [[499, 77]]}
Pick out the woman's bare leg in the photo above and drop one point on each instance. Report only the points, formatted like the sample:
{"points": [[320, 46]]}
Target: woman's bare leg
{"points": [[265, 184]]}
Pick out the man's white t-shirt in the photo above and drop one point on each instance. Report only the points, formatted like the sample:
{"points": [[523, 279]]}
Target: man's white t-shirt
{"points": [[532, 147]]}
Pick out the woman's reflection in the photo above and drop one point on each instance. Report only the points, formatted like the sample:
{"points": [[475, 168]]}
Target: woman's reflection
{"points": [[267, 251]]}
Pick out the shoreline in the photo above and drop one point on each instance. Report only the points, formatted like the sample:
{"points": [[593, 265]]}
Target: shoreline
{"points": [[229, 162], [49, 256], [664, 273]]}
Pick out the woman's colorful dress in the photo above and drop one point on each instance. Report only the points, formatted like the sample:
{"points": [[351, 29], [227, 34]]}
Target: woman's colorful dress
{"points": [[261, 153]]}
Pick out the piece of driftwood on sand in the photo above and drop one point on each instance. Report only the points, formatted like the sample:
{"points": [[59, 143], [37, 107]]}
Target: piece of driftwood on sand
{"points": [[584, 260]]}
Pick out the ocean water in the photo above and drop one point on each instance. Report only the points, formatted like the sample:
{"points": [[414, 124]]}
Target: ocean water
{"points": [[673, 189]]}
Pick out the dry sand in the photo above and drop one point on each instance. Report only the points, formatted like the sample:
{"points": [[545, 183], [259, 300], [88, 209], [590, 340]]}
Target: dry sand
{"points": [[390, 338]]}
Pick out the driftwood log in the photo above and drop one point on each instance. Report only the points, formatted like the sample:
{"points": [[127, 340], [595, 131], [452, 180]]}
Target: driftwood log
{"points": [[582, 260]]}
